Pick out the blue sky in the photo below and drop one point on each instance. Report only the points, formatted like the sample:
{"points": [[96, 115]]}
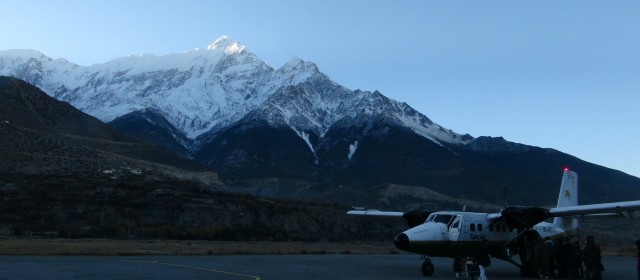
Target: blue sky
{"points": [[557, 74]]}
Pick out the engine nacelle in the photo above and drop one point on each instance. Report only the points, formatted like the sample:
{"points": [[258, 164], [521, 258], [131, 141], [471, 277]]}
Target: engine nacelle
{"points": [[524, 217]]}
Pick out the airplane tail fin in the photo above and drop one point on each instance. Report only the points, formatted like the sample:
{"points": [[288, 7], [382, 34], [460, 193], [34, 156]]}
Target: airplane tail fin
{"points": [[568, 197], [568, 189]]}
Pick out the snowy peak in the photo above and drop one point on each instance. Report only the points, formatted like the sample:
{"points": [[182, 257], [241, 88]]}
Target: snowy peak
{"points": [[24, 54], [297, 65], [227, 45], [296, 71], [204, 91]]}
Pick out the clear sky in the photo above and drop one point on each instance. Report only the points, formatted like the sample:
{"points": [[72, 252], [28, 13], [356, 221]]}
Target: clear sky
{"points": [[559, 74]]}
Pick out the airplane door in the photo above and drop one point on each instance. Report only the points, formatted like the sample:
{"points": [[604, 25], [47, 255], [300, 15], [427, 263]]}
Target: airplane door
{"points": [[454, 229]]}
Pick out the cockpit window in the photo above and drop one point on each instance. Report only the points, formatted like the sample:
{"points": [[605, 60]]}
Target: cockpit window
{"points": [[440, 218], [430, 218]]}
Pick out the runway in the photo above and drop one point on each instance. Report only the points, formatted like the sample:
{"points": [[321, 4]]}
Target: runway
{"points": [[257, 267]]}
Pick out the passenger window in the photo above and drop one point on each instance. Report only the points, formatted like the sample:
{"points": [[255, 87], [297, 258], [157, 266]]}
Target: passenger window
{"points": [[491, 227], [472, 227], [479, 227]]}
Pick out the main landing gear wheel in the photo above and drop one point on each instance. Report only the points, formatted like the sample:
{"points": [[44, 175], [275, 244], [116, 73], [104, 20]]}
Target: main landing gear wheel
{"points": [[427, 268]]}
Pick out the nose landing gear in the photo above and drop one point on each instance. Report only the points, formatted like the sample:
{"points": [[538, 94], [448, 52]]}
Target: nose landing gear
{"points": [[427, 267]]}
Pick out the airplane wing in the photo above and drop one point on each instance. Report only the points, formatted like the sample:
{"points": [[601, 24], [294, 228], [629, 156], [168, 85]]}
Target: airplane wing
{"points": [[591, 209], [412, 218], [376, 213], [529, 216]]}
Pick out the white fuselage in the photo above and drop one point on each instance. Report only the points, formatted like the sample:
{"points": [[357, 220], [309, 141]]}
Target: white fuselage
{"points": [[459, 234]]}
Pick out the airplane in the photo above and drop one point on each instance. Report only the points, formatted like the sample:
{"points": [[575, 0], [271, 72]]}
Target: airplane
{"points": [[459, 234]]}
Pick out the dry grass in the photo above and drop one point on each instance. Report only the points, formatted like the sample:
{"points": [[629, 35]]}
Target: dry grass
{"points": [[620, 251], [106, 247]]}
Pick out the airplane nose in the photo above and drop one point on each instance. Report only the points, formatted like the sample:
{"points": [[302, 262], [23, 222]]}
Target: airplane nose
{"points": [[401, 241]]}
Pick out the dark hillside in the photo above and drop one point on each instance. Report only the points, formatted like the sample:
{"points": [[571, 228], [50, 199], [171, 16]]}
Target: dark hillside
{"points": [[42, 134]]}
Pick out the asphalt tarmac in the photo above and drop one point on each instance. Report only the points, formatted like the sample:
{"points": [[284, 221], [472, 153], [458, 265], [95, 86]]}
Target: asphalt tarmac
{"points": [[255, 267]]}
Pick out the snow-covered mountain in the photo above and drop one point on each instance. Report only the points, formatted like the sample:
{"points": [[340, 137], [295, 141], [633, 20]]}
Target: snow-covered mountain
{"points": [[293, 131], [203, 91]]}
